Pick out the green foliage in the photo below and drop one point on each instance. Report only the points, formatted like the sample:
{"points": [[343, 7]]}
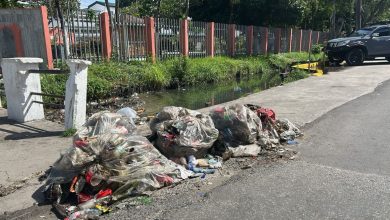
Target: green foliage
{"points": [[69, 132], [109, 79], [316, 48], [9, 4], [282, 60], [144, 200]]}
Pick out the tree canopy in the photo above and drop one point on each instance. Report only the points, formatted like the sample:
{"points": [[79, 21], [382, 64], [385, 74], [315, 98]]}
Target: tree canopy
{"points": [[336, 15]]}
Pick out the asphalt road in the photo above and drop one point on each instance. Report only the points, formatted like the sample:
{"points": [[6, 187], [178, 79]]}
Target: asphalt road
{"points": [[343, 172]]}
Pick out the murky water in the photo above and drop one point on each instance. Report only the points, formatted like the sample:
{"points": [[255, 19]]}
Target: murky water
{"points": [[202, 96]]}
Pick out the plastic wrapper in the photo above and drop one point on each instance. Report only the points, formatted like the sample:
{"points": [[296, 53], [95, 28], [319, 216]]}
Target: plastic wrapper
{"points": [[182, 132], [106, 122], [252, 150], [287, 130], [237, 125]]}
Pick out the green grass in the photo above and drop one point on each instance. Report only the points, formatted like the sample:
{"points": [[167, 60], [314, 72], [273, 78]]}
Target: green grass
{"points": [[110, 79], [69, 132]]}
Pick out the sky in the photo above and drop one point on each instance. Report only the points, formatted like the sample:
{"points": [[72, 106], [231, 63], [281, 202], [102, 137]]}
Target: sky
{"points": [[85, 3]]}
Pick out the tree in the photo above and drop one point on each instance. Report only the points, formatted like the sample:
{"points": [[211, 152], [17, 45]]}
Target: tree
{"points": [[373, 10], [9, 4]]}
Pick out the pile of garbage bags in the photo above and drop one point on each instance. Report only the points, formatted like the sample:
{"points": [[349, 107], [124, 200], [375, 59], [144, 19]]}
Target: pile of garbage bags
{"points": [[109, 162]]}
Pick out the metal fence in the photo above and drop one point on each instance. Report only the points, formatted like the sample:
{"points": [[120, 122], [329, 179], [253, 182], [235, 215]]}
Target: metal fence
{"points": [[221, 35], [271, 40], [167, 38], [82, 37], [79, 38], [305, 40], [285, 40], [197, 34], [296, 40], [314, 37], [240, 40], [259, 33], [128, 38]]}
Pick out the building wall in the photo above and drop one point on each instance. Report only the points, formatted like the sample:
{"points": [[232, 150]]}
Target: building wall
{"points": [[101, 8], [27, 23]]}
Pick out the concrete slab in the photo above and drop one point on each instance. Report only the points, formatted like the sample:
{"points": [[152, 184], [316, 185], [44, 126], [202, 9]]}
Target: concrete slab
{"points": [[305, 100], [26, 150]]}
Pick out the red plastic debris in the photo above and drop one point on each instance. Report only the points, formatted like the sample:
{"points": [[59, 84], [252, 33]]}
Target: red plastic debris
{"points": [[266, 113], [165, 179], [88, 176], [104, 193], [81, 143]]}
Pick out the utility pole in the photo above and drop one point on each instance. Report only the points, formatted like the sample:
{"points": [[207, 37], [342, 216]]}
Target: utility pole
{"points": [[359, 9]]}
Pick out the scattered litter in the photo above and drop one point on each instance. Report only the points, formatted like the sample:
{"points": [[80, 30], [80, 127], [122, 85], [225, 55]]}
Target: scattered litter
{"points": [[275, 131], [252, 150], [292, 142]]}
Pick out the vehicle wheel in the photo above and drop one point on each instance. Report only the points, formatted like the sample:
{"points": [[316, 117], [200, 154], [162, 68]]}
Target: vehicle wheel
{"points": [[355, 57]]}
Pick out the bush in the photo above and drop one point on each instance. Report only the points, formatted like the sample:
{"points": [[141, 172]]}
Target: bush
{"points": [[316, 48]]}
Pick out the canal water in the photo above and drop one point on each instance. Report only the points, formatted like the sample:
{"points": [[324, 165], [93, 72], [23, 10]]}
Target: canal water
{"points": [[206, 95]]}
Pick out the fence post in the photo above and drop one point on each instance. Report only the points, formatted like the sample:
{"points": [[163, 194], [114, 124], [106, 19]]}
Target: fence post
{"points": [[231, 39], [310, 38], [300, 40], [46, 34], [278, 36], [264, 41], [184, 37], [318, 37], [249, 40], [210, 39], [76, 93], [290, 40], [106, 35], [150, 39], [18, 85]]}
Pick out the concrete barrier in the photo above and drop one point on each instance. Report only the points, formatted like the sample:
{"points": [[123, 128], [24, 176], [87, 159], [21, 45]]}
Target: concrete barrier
{"points": [[76, 94], [18, 85], [23, 90]]}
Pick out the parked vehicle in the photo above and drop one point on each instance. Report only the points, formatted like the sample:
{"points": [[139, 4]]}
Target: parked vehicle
{"points": [[364, 44]]}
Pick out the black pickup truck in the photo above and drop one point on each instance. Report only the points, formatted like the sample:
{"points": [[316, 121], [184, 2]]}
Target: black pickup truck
{"points": [[364, 44]]}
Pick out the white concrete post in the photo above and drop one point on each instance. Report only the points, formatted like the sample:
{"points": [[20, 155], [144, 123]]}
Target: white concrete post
{"points": [[18, 85], [76, 94]]}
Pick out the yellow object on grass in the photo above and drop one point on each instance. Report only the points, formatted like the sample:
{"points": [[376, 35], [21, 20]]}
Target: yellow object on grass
{"points": [[313, 68]]}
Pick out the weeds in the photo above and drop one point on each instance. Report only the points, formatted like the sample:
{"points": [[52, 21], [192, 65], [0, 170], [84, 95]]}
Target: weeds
{"points": [[69, 132]]}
